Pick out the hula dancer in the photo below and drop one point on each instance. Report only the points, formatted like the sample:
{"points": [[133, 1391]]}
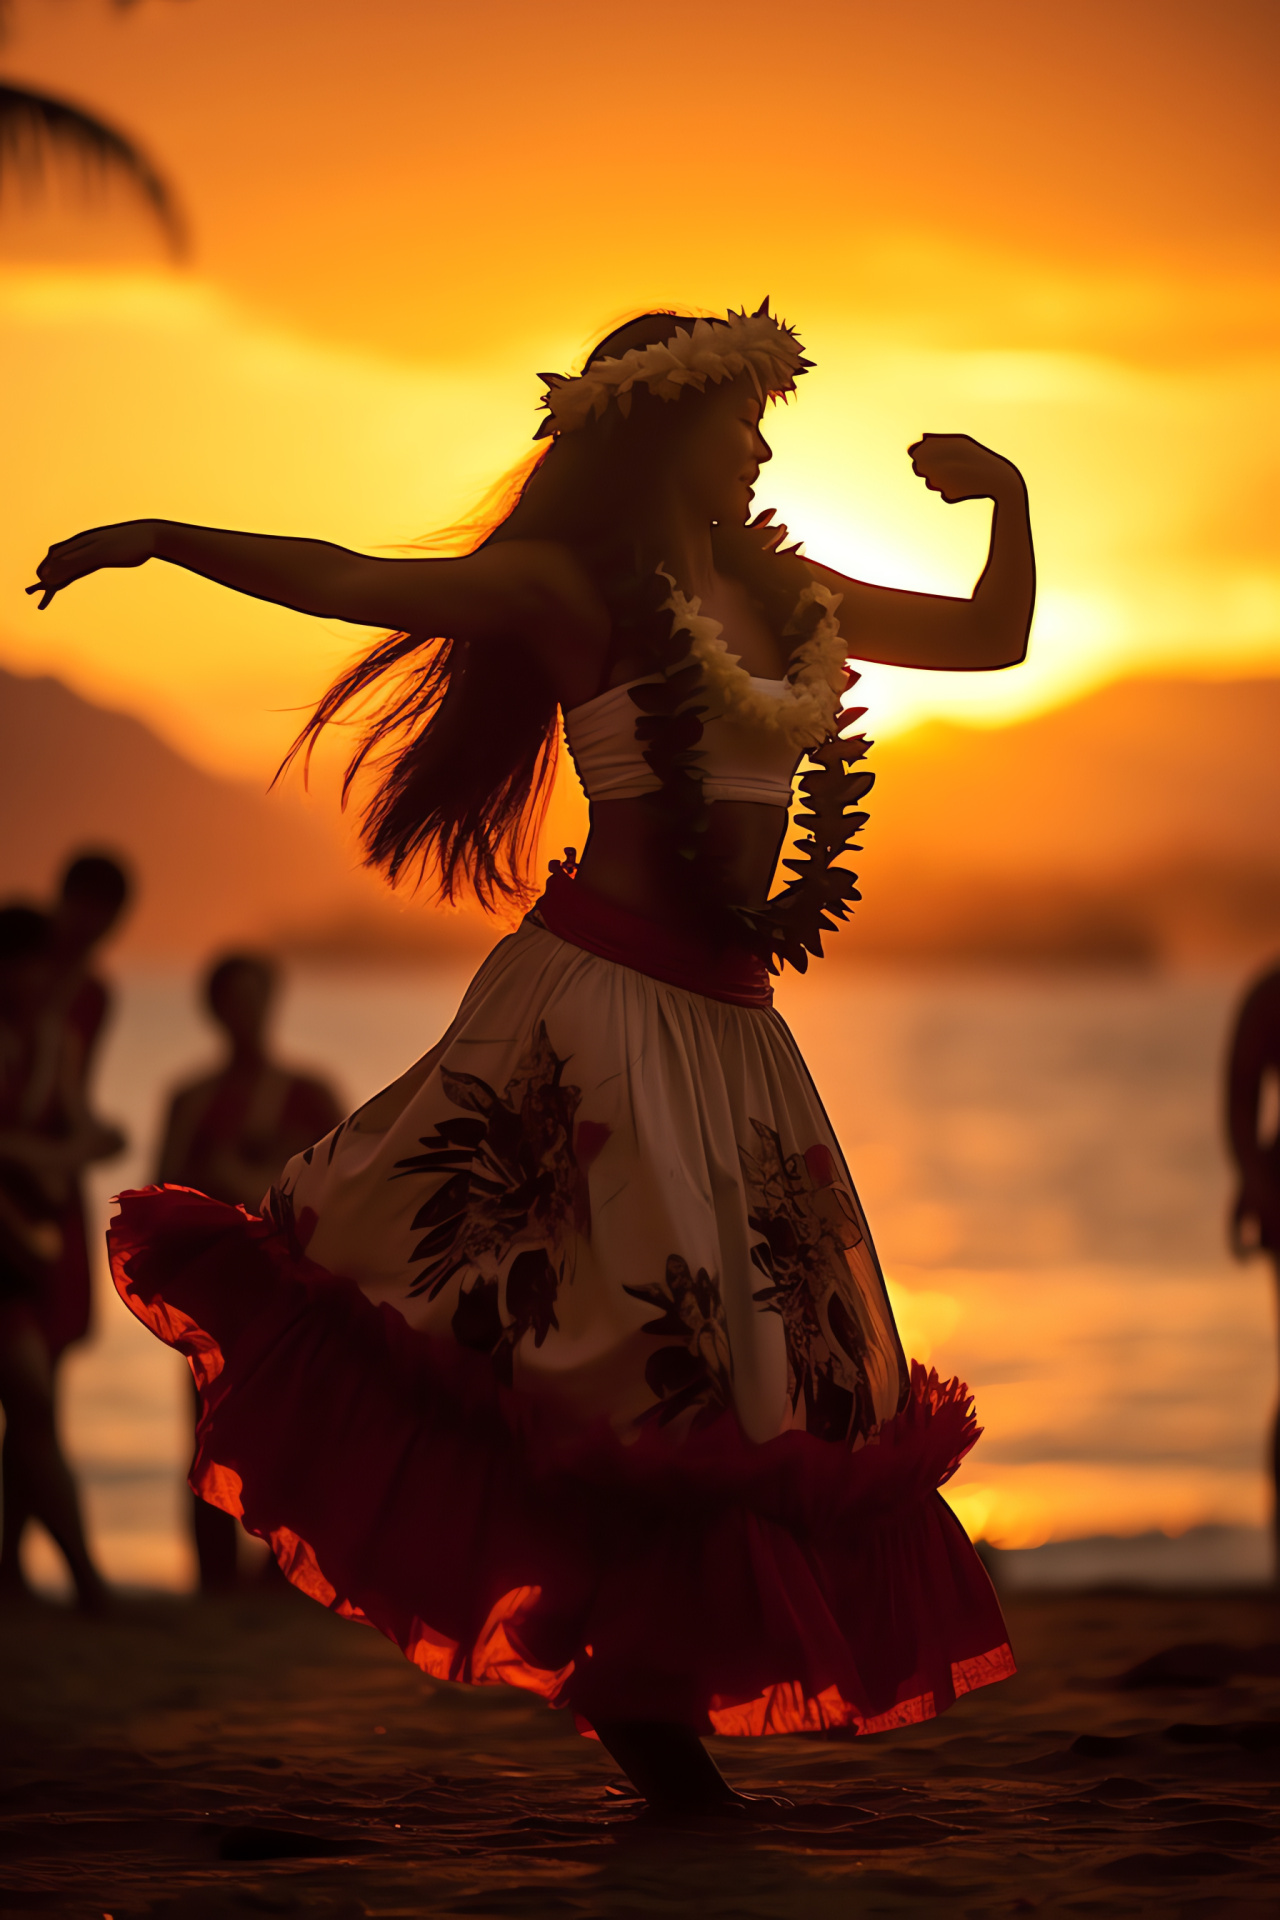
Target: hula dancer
{"points": [[567, 1360]]}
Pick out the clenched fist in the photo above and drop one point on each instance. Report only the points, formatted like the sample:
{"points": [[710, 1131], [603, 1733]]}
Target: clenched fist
{"points": [[961, 468]]}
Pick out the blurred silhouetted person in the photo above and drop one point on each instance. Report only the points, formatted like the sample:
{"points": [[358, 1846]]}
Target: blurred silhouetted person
{"points": [[67, 1025], [1255, 1217], [46, 1138], [229, 1135], [91, 898]]}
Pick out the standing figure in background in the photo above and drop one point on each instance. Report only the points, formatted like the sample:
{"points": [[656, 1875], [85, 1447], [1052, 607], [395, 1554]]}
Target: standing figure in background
{"points": [[46, 1139], [67, 1025], [1253, 1082], [92, 895], [229, 1135]]}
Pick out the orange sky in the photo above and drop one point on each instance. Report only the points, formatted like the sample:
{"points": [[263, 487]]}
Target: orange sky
{"points": [[1051, 223], [1053, 227]]}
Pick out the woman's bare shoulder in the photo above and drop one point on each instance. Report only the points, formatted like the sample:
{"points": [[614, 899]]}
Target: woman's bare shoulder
{"points": [[545, 580]]}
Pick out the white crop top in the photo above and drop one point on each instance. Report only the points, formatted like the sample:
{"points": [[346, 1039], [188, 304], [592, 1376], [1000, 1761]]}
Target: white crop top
{"points": [[742, 760]]}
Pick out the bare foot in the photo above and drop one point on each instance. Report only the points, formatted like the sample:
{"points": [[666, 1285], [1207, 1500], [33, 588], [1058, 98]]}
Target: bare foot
{"points": [[730, 1808]]}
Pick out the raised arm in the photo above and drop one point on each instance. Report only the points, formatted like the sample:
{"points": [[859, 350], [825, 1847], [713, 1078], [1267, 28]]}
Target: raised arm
{"points": [[990, 628], [525, 585]]}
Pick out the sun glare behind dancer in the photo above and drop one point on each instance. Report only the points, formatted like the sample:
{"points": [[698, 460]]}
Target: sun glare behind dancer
{"points": [[567, 1360]]}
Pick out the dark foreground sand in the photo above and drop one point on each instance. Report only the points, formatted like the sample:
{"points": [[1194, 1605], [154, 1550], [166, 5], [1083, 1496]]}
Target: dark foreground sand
{"points": [[258, 1757]]}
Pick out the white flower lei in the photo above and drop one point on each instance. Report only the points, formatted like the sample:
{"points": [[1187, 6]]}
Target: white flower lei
{"points": [[751, 343], [808, 711]]}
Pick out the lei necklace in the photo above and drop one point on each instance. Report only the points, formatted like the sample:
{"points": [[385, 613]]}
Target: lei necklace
{"points": [[690, 654], [817, 672]]}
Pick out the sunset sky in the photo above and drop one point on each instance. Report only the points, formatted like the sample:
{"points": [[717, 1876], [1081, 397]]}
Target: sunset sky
{"points": [[1052, 227]]}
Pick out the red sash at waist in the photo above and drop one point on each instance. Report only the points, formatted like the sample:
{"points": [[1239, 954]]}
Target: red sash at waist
{"points": [[585, 919]]}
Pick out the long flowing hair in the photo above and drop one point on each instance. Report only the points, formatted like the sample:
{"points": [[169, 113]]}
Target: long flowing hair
{"points": [[459, 738]]}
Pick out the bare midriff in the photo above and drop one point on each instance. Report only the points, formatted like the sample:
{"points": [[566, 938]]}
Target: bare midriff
{"points": [[628, 858]]}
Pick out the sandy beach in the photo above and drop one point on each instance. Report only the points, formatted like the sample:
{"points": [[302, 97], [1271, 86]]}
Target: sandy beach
{"points": [[256, 1756]]}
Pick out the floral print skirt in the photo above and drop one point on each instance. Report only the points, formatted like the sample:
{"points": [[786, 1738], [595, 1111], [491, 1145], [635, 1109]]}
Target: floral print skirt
{"points": [[567, 1361]]}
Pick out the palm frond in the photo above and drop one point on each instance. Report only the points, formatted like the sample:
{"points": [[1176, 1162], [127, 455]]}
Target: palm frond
{"points": [[36, 126]]}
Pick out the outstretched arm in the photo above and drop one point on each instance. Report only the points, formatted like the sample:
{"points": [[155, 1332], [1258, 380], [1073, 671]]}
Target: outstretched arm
{"points": [[987, 630], [529, 585]]}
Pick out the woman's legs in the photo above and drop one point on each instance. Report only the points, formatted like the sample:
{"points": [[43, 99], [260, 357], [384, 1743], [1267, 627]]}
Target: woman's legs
{"points": [[34, 1460], [215, 1535], [215, 1538], [668, 1766]]}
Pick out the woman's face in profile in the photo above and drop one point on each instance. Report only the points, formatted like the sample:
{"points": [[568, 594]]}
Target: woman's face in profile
{"points": [[721, 459]]}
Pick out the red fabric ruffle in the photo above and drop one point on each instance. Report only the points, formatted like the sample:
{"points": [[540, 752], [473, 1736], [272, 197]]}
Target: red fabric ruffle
{"points": [[734, 1587]]}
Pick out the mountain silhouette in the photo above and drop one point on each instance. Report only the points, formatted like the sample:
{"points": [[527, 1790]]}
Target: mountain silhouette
{"points": [[217, 861], [1130, 775], [1139, 823]]}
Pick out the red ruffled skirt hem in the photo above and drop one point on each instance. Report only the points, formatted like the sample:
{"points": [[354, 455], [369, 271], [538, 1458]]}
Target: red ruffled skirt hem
{"points": [[734, 1587]]}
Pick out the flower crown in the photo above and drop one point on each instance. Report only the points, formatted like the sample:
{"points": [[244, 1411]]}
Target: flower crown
{"points": [[751, 343]]}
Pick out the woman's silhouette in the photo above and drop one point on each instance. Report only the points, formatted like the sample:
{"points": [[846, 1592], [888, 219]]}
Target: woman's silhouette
{"points": [[567, 1360]]}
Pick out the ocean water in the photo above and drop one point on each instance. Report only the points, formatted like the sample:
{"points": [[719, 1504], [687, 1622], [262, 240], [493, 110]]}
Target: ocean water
{"points": [[1041, 1161]]}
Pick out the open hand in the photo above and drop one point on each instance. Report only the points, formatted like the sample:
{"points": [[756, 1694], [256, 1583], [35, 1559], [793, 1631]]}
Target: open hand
{"points": [[961, 468], [125, 545]]}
